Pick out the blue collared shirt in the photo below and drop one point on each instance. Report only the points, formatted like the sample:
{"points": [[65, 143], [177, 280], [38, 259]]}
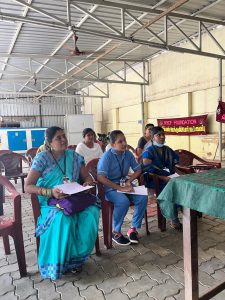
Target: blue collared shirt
{"points": [[114, 166]]}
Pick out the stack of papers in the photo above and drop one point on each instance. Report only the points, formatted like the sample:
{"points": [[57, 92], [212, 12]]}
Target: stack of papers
{"points": [[72, 188], [138, 190]]}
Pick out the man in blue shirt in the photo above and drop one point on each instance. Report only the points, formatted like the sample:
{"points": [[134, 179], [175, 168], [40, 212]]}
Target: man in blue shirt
{"points": [[113, 168]]}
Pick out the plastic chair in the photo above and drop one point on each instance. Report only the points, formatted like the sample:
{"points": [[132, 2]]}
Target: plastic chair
{"points": [[161, 219], [13, 166], [36, 214], [30, 154], [5, 151], [187, 159], [13, 226], [107, 206], [73, 147]]}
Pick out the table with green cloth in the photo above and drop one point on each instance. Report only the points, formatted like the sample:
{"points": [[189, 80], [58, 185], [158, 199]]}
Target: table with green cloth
{"points": [[203, 192]]}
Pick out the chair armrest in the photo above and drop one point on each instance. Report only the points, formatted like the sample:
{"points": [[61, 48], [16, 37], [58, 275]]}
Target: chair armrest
{"points": [[181, 170], [216, 164]]}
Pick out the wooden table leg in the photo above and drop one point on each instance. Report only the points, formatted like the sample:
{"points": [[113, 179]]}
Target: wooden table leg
{"points": [[190, 244]]}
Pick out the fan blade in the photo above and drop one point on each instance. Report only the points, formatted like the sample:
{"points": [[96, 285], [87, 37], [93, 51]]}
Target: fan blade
{"points": [[68, 48], [92, 52]]}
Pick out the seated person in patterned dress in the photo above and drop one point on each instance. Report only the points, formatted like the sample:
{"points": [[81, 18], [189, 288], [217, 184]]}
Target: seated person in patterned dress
{"points": [[160, 160]]}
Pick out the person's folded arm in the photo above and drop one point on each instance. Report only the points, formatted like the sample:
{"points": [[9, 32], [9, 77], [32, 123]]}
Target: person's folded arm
{"points": [[147, 161]]}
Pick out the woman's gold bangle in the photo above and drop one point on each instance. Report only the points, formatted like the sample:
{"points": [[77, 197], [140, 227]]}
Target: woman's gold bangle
{"points": [[46, 192]]}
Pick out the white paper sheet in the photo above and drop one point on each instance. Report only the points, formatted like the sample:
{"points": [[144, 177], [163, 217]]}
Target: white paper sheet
{"points": [[72, 188], [138, 190], [174, 175]]}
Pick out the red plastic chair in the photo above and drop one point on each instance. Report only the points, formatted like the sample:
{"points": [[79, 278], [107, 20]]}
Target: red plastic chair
{"points": [[37, 212], [30, 154], [188, 159], [13, 166], [73, 147], [13, 226], [161, 219], [107, 206], [5, 151]]}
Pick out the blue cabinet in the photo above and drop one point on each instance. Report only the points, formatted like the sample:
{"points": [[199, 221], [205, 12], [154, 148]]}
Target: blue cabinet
{"points": [[17, 140], [21, 139], [37, 137]]}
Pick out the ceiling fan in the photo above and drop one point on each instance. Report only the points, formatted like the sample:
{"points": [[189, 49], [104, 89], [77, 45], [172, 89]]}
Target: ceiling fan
{"points": [[76, 52]]}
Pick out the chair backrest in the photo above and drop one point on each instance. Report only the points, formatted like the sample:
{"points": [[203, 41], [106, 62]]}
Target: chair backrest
{"points": [[15, 196], [187, 158], [91, 168], [13, 163], [73, 147], [30, 154], [5, 151]]}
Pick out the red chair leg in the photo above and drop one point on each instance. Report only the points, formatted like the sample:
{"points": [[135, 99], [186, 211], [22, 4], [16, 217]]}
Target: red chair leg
{"points": [[146, 223], [107, 211], [22, 180], [6, 244], [97, 247], [38, 243], [20, 253], [161, 220], [109, 236]]}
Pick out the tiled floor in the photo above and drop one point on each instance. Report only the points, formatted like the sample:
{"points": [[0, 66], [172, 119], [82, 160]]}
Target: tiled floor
{"points": [[151, 270]]}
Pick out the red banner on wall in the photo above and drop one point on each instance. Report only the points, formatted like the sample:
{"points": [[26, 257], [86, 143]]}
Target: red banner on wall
{"points": [[184, 126], [220, 112]]}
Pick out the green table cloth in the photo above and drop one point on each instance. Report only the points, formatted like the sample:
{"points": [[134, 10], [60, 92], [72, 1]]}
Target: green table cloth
{"points": [[204, 192]]}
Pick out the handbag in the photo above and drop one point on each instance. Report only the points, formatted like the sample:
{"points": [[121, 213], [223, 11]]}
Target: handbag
{"points": [[74, 203]]}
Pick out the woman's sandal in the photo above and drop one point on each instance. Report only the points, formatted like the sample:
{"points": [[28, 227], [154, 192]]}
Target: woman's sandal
{"points": [[178, 227]]}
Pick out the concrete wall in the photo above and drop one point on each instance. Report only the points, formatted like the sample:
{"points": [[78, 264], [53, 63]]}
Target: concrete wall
{"points": [[181, 85]]}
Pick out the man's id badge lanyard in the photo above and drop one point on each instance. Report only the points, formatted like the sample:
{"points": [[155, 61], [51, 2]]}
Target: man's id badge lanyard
{"points": [[65, 178], [123, 178]]}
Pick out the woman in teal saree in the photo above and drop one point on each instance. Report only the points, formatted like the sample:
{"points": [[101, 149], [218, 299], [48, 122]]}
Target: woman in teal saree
{"points": [[65, 241]]}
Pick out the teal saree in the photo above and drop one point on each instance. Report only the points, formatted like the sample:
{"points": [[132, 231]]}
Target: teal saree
{"points": [[65, 241]]}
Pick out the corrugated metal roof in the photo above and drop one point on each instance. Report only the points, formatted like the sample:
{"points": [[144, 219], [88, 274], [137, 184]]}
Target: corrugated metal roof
{"points": [[27, 37]]}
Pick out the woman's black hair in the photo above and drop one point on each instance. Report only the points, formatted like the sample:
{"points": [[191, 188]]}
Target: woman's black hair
{"points": [[50, 133], [149, 125], [156, 129], [88, 130], [113, 135]]}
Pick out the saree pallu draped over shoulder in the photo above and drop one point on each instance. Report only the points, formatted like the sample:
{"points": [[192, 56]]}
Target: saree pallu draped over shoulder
{"points": [[65, 241]]}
